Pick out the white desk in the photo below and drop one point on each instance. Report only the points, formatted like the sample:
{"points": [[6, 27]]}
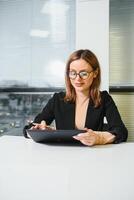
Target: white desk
{"points": [[33, 171]]}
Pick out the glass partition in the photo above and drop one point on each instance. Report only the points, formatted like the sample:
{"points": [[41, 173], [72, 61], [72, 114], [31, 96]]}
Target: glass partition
{"points": [[18, 109], [36, 38]]}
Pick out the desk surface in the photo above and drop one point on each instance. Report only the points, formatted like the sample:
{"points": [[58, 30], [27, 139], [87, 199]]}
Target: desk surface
{"points": [[33, 171]]}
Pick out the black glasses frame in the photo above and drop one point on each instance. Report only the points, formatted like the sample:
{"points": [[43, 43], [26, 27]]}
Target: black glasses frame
{"points": [[80, 74]]}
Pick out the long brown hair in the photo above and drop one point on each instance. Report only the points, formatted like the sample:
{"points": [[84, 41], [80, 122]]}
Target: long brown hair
{"points": [[94, 92]]}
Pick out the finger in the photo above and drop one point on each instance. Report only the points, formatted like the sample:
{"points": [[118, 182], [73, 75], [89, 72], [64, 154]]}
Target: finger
{"points": [[36, 126], [51, 128], [81, 140], [76, 137], [87, 138], [87, 143], [90, 131], [32, 128], [33, 124], [80, 137], [43, 123], [83, 135]]}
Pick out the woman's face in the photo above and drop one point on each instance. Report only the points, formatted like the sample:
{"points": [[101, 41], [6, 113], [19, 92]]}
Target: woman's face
{"points": [[83, 83]]}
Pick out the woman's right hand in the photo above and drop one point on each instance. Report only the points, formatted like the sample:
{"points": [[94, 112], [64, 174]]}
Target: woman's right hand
{"points": [[41, 126]]}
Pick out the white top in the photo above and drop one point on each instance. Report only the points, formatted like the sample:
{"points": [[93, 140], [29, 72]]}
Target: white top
{"points": [[33, 171]]}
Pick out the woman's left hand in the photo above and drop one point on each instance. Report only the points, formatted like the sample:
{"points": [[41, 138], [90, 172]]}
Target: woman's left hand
{"points": [[88, 138], [91, 137]]}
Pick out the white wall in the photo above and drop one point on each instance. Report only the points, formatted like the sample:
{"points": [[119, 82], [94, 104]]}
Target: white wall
{"points": [[92, 32]]}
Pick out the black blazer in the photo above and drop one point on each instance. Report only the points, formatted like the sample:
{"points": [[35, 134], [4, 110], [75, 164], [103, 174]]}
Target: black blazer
{"points": [[64, 115]]}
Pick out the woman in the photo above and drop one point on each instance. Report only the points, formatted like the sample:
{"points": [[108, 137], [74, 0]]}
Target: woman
{"points": [[83, 105]]}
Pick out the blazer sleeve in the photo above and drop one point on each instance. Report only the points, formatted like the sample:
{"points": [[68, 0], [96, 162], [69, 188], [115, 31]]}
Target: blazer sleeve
{"points": [[115, 123], [47, 114]]}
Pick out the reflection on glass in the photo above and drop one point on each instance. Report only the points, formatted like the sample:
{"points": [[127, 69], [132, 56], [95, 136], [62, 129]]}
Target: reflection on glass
{"points": [[39, 33], [17, 110], [39, 36]]}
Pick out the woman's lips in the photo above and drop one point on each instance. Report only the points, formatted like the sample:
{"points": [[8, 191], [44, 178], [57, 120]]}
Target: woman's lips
{"points": [[78, 84]]}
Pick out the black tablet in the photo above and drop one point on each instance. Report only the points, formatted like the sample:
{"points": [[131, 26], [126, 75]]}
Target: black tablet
{"points": [[46, 136]]}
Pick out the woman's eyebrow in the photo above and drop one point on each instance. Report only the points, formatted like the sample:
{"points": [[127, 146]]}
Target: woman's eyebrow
{"points": [[87, 70]]}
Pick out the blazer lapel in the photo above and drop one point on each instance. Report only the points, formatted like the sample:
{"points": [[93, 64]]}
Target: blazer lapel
{"points": [[90, 117], [70, 110]]}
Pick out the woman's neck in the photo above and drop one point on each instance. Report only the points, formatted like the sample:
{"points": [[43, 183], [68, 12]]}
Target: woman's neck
{"points": [[80, 96]]}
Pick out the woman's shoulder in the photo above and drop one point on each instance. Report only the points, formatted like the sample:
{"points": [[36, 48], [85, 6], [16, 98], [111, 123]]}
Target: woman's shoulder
{"points": [[105, 96], [104, 93], [59, 95]]}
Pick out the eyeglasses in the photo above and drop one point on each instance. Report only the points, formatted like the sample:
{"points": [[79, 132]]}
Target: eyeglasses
{"points": [[83, 74]]}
